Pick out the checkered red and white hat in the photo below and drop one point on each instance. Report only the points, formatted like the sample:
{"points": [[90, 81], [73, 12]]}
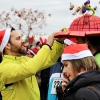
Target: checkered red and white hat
{"points": [[4, 37], [76, 51]]}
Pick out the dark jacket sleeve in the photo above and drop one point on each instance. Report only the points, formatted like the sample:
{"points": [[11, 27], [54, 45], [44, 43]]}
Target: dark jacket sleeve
{"points": [[59, 93], [56, 68], [86, 94]]}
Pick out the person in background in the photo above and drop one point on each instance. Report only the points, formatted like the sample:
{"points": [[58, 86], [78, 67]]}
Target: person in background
{"points": [[44, 74], [80, 74], [20, 70], [56, 73], [93, 43], [86, 31], [31, 52]]}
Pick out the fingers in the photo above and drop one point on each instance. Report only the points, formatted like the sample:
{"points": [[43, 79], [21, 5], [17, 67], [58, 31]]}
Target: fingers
{"points": [[64, 83], [51, 39], [65, 80], [60, 39]]}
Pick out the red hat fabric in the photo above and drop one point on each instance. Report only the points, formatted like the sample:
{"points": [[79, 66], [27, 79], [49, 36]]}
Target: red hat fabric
{"points": [[31, 51], [85, 25], [42, 41], [70, 41], [4, 37], [76, 51], [31, 39], [34, 50]]}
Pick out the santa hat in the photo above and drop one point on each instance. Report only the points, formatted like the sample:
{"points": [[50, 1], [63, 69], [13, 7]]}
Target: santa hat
{"points": [[4, 37], [31, 51], [70, 41], [34, 50], [76, 51]]}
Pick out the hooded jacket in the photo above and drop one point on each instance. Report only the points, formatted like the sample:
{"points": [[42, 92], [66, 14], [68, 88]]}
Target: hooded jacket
{"points": [[78, 89], [21, 72]]}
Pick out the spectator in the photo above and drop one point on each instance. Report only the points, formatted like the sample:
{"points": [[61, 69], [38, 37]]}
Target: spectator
{"points": [[93, 43], [56, 72], [86, 31], [20, 70], [80, 74]]}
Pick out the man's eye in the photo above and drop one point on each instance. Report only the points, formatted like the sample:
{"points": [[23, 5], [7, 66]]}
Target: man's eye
{"points": [[18, 38]]}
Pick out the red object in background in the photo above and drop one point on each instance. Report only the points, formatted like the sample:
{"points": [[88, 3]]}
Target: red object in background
{"points": [[35, 49], [42, 41], [2, 33], [31, 39], [73, 39], [86, 25], [45, 41]]}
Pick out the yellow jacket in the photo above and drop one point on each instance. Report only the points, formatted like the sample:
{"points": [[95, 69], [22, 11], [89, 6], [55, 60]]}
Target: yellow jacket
{"points": [[21, 72]]}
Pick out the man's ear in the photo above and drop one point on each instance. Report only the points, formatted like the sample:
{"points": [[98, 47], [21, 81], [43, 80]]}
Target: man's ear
{"points": [[8, 46]]}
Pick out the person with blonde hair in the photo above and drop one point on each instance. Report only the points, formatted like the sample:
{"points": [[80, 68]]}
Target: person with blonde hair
{"points": [[81, 75]]}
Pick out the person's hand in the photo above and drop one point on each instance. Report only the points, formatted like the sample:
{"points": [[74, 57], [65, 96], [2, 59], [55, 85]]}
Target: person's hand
{"points": [[51, 39], [64, 83], [62, 39]]}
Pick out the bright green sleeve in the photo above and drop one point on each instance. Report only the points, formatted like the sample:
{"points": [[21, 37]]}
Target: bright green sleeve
{"points": [[97, 58], [42, 60], [16, 70], [55, 53]]}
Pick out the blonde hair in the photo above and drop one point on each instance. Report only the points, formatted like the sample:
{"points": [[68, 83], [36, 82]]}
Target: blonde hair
{"points": [[87, 63]]}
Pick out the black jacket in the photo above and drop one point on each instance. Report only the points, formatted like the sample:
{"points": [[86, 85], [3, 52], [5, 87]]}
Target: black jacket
{"points": [[77, 88]]}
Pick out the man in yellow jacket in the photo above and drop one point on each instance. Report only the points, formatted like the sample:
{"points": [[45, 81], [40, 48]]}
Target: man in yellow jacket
{"points": [[20, 70]]}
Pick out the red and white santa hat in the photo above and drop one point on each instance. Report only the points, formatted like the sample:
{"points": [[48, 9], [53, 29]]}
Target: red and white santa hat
{"points": [[70, 41], [76, 51], [31, 51], [34, 51], [4, 37]]}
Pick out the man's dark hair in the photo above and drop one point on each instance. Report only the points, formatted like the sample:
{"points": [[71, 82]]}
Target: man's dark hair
{"points": [[37, 43], [94, 41], [12, 29]]}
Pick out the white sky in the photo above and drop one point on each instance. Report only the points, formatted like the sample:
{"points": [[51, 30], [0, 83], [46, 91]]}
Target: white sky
{"points": [[61, 15]]}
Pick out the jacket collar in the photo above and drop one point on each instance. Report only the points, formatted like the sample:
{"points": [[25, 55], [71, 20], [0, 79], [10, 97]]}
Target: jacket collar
{"points": [[83, 80], [11, 57]]}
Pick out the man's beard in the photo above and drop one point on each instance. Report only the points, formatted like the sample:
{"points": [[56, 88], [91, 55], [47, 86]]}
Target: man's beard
{"points": [[19, 50]]}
